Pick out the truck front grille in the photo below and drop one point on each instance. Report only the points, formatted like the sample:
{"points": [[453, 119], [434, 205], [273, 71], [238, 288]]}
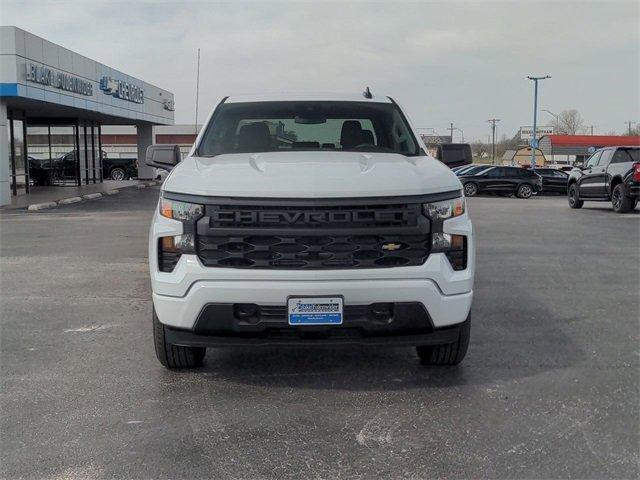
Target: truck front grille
{"points": [[312, 237], [309, 252]]}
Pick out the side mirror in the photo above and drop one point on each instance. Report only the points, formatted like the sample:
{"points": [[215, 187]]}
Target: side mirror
{"points": [[163, 156]]}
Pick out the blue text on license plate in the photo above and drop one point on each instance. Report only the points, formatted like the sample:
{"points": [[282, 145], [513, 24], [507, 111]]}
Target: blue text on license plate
{"points": [[314, 310]]}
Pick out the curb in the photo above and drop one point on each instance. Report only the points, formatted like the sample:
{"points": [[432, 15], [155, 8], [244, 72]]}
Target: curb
{"points": [[66, 201], [42, 206], [90, 196]]}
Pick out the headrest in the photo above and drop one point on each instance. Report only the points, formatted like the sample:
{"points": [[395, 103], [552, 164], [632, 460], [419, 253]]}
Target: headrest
{"points": [[350, 134], [366, 137], [254, 137]]}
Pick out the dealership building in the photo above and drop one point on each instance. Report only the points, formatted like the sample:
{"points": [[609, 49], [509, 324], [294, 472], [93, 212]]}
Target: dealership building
{"points": [[55, 102]]}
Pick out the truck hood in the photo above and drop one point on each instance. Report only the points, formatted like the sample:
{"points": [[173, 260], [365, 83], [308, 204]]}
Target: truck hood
{"points": [[310, 175]]}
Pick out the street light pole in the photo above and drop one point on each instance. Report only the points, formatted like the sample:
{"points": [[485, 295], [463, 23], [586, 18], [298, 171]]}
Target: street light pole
{"points": [[493, 122], [534, 142]]}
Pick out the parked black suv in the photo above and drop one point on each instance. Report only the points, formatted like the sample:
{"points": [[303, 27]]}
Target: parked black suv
{"points": [[610, 174], [554, 180], [503, 180]]}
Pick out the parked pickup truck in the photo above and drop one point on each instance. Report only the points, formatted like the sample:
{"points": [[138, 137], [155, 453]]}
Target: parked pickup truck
{"points": [[309, 220], [119, 168], [610, 174], [46, 172]]}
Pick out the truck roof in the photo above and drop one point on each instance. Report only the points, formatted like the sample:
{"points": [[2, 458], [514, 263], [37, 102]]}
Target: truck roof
{"points": [[328, 97]]}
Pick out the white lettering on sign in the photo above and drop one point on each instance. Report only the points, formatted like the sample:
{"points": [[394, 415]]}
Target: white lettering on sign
{"points": [[123, 90], [63, 81]]}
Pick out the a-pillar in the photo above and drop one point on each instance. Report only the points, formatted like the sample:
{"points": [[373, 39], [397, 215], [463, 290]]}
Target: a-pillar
{"points": [[145, 139]]}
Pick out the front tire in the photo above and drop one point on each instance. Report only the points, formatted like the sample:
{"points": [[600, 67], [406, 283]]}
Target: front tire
{"points": [[524, 191], [574, 199], [621, 203], [174, 356], [449, 353], [470, 189]]}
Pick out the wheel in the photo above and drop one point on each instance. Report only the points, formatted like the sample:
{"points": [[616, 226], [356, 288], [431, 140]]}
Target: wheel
{"points": [[174, 356], [572, 196], [450, 353], [621, 203], [117, 173], [470, 189], [524, 191]]}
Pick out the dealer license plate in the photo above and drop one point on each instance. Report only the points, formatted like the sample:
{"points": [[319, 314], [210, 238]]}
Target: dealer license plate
{"points": [[315, 310]]}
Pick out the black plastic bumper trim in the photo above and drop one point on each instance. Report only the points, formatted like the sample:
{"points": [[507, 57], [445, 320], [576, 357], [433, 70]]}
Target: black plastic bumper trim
{"points": [[187, 338]]}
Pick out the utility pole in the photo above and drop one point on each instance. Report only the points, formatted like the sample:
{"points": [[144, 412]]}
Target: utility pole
{"points": [[629, 122], [197, 91], [534, 141], [493, 122], [452, 132], [592, 127]]}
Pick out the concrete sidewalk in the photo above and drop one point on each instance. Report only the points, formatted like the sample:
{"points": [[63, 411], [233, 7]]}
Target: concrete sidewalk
{"points": [[44, 195]]}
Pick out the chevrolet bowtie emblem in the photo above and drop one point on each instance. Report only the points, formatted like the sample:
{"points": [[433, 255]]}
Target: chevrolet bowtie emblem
{"points": [[390, 247]]}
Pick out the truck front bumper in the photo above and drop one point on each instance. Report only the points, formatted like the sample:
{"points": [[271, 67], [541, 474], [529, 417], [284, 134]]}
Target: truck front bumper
{"points": [[183, 312], [180, 296]]}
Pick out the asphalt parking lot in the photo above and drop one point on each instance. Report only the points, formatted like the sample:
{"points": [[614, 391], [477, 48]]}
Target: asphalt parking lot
{"points": [[549, 387]]}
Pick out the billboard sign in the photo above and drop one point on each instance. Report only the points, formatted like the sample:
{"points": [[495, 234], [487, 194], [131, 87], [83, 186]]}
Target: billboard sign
{"points": [[435, 139], [526, 133]]}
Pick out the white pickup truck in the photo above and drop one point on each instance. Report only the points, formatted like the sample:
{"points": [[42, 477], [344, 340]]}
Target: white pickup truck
{"points": [[313, 220]]}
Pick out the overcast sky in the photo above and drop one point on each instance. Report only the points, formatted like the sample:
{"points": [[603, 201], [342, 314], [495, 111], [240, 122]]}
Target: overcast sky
{"points": [[444, 62]]}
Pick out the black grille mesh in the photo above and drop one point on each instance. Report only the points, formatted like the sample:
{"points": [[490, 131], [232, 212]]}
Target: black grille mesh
{"points": [[313, 252]]}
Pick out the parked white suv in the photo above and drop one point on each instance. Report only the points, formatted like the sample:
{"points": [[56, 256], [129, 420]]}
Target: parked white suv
{"points": [[309, 220]]}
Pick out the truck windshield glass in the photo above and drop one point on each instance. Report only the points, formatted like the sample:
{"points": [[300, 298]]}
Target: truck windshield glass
{"points": [[308, 126]]}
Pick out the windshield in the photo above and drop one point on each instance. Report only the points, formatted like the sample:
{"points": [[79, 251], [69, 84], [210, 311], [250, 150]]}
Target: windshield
{"points": [[317, 126]]}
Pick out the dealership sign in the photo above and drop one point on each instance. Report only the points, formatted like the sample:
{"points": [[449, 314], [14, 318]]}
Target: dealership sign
{"points": [[122, 90], [168, 104], [526, 133], [52, 78]]}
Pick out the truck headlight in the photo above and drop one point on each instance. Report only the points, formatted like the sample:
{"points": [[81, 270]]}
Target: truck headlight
{"points": [[170, 249], [452, 245], [181, 211], [444, 209]]}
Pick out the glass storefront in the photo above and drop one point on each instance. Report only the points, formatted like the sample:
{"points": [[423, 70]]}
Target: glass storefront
{"points": [[53, 152]]}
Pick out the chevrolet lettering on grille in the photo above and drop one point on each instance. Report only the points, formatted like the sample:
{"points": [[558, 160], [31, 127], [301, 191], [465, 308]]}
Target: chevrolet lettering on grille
{"points": [[293, 217]]}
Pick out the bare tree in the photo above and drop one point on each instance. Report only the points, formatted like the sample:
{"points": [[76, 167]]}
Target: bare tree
{"points": [[480, 149], [633, 132], [568, 122]]}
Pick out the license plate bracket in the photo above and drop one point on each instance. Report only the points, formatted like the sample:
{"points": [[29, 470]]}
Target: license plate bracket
{"points": [[315, 310]]}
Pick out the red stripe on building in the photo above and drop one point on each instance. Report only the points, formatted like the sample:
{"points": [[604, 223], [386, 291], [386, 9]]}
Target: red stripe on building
{"points": [[593, 140]]}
